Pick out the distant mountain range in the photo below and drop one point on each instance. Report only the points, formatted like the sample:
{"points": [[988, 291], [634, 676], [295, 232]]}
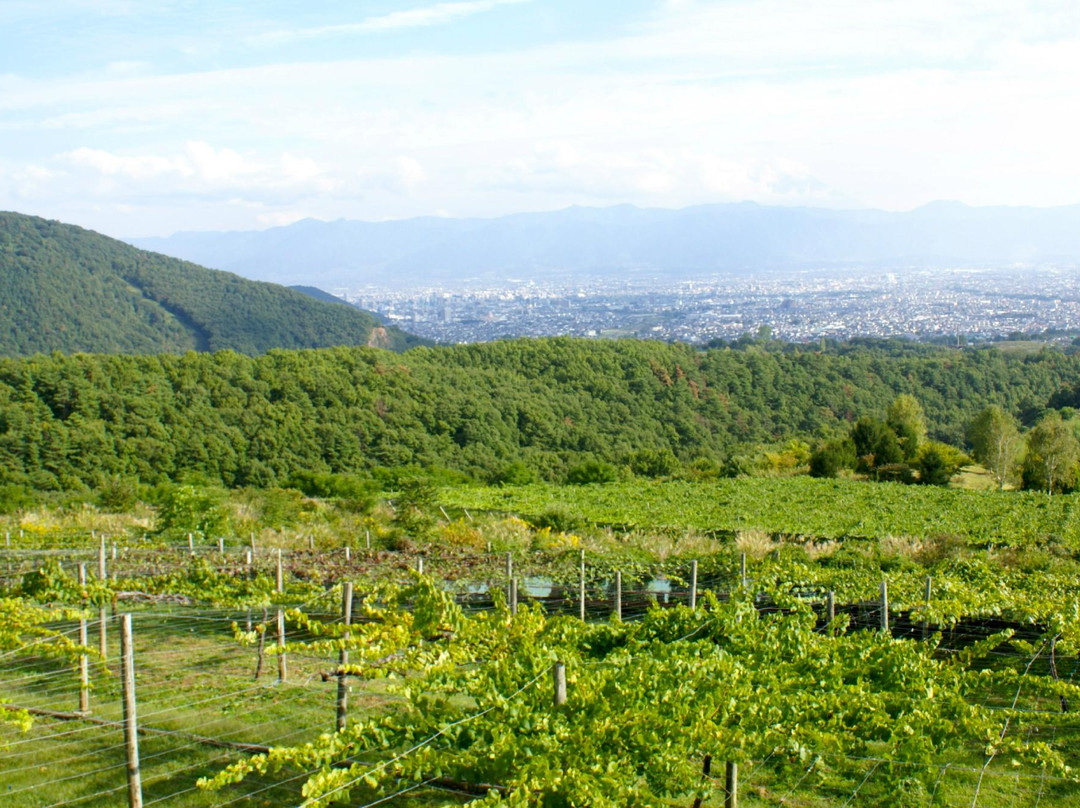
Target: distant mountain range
{"points": [[622, 240], [63, 288]]}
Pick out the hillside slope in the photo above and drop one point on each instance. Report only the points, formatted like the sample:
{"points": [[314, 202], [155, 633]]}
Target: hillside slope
{"points": [[544, 405], [63, 288]]}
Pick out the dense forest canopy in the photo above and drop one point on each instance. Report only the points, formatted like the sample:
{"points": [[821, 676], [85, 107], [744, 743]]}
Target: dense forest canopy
{"points": [[66, 289], [541, 406]]}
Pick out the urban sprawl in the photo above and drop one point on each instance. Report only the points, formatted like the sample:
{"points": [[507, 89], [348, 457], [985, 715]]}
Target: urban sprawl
{"points": [[926, 305]]}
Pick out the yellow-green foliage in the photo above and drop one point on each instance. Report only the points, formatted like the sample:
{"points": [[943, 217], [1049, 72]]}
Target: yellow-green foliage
{"points": [[460, 535]]}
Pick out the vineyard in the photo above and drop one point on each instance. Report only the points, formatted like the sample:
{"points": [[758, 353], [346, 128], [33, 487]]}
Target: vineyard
{"points": [[755, 642], [823, 509]]}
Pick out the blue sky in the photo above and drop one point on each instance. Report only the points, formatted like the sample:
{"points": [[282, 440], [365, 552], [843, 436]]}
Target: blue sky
{"points": [[144, 118]]}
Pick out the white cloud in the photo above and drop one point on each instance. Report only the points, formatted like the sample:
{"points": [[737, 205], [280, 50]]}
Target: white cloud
{"points": [[399, 174], [198, 170], [33, 182], [279, 218], [437, 14], [676, 176], [139, 168], [890, 104]]}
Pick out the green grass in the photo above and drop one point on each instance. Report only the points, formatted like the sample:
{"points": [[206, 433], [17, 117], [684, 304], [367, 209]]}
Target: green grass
{"points": [[974, 478], [191, 678]]}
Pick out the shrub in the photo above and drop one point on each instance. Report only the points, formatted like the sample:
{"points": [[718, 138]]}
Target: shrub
{"points": [[559, 518], [352, 493], [592, 471], [118, 493], [653, 463], [516, 473], [828, 459], [416, 497], [15, 498], [192, 509]]}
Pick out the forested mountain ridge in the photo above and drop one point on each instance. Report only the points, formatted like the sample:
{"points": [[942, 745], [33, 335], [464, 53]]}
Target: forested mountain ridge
{"points": [[621, 240], [544, 405], [63, 288]]}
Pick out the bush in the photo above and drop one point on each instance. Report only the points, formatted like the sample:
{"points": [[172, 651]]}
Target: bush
{"points": [[938, 462], [653, 463], [276, 507], [875, 444], [14, 498], [516, 473], [118, 493], [933, 470], [738, 466], [353, 493], [391, 477], [192, 509], [459, 534], [828, 459], [412, 505], [703, 468], [592, 471], [559, 518]]}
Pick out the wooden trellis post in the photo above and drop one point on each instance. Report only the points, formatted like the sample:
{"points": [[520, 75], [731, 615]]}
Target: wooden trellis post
{"points": [[131, 726], [558, 675], [618, 595], [84, 660], [509, 573], [343, 658], [731, 785], [103, 630], [885, 607], [581, 592], [693, 584], [281, 665], [706, 772], [926, 617]]}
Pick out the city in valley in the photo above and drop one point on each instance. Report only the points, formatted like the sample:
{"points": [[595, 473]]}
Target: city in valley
{"points": [[940, 305]]}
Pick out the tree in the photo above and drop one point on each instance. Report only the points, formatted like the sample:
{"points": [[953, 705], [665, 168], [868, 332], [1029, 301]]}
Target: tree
{"points": [[938, 462], [1052, 455], [906, 418], [875, 443], [412, 507], [829, 458], [996, 443]]}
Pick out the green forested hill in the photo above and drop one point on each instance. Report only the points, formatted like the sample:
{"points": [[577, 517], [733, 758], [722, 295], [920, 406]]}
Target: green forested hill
{"points": [[66, 289], [549, 404]]}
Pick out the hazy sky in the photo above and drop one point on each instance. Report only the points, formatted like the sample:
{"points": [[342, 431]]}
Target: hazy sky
{"points": [[143, 117]]}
